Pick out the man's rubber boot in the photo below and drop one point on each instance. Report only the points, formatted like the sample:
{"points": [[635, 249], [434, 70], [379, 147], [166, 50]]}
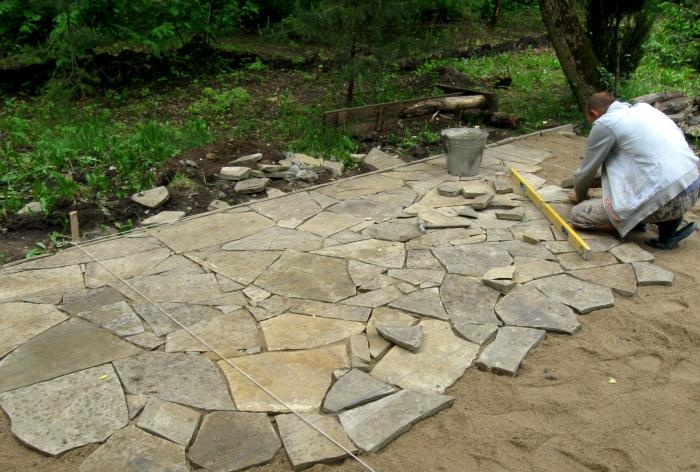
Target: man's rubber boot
{"points": [[670, 243]]}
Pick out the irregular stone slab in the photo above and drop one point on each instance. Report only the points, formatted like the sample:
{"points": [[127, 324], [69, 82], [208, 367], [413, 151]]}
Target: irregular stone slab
{"points": [[372, 251], [22, 321], [297, 206], [375, 425], [250, 158], [31, 207], [535, 181], [402, 196], [554, 194], [146, 340], [255, 294], [384, 317], [183, 313], [363, 208], [422, 259], [211, 230], [331, 310], [539, 230], [134, 450], [375, 298], [151, 198], [89, 299], [530, 268], [299, 378], [475, 333], [516, 214], [67, 412], [272, 306], [67, 347], [442, 238], [163, 217], [560, 247], [276, 239], [502, 285], [495, 273], [527, 307], [252, 185], [305, 446], [302, 332], [242, 266], [473, 259], [481, 202], [169, 420], [418, 276], [327, 223], [174, 287], [380, 281], [175, 263], [441, 360], [424, 302], [583, 297], [234, 173], [506, 353], [227, 334], [361, 272], [366, 185], [381, 160], [468, 301], [631, 252], [134, 404], [229, 441], [603, 243], [450, 189], [407, 337], [651, 274], [358, 350], [323, 200], [574, 261], [393, 231], [496, 235], [301, 275], [228, 285], [187, 379], [19, 285], [619, 277], [353, 389], [118, 318]]}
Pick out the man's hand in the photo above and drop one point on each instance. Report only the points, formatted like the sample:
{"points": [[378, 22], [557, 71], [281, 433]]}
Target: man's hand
{"points": [[573, 197]]}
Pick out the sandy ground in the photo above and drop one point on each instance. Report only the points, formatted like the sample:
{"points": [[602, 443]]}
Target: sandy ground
{"points": [[561, 413]]}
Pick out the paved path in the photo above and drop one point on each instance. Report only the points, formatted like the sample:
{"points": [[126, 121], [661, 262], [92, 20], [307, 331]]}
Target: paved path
{"points": [[341, 300]]}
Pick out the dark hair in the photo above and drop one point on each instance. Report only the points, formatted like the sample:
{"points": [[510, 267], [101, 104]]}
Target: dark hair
{"points": [[599, 101]]}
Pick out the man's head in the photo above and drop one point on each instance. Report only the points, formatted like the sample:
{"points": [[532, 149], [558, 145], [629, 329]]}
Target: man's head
{"points": [[597, 105]]}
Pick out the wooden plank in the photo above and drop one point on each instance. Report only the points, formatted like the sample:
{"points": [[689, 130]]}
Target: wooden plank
{"points": [[557, 221]]}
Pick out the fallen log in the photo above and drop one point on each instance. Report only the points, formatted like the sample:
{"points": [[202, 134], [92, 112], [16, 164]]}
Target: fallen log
{"points": [[433, 105]]}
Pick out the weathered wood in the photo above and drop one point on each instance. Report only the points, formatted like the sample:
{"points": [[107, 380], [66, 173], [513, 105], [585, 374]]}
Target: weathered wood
{"points": [[444, 104]]}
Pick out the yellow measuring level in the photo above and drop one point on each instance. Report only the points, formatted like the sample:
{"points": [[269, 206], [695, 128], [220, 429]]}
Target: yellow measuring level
{"points": [[550, 213]]}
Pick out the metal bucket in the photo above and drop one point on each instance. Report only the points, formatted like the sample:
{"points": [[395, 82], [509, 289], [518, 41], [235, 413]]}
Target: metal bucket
{"points": [[464, 148]]}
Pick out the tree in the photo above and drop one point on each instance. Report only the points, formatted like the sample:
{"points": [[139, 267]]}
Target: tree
{"points": [[574, 51]]}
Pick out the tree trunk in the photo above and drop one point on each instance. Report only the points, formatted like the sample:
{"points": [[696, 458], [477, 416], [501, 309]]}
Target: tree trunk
{"points": [[578, 61]]}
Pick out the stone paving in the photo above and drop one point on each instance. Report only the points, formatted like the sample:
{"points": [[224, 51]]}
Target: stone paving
{"points": [[342, 300]]}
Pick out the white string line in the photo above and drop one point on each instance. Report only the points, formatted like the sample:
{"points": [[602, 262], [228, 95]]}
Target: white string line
{"points": [[215, 351]]}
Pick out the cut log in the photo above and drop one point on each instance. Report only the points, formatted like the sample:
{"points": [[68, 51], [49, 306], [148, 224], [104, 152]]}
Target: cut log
{"points": [[444, 104]]}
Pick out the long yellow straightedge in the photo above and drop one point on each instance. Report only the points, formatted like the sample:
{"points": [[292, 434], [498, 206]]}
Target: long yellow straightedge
{"points": [[550, 213]]}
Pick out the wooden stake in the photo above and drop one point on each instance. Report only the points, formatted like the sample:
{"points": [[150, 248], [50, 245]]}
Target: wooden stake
{"points": [[74, 226]]}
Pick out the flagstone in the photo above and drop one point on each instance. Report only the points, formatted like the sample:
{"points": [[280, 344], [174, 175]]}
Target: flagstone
{"points": [[631, 252], [417, 276], [298, 206], [527, 307], [67, 412], [375, 298], [384, 316], [487, 220], [169, 420], [331, 310], [381, 160], [227, 285], [583, 297], [276, 239], [402, 196], [424, 186], [372, 251], [442, 238], [19, 285], [651, 274], [226, 333], [255, 294], [323, 200], [496, 235], [146, 340], [521, 248], [118, 318], [134, 404], [401, 231], [441, 360], [327, 223], [242, 266], [163, 217], [103, 273], [574, 261], [407, 337], [305, 446], [554, 194], [505, 354], [474, 333], [20, 322], [468, 301], [301, 275], [422, 259], [232, 440], [175, 288], [358, 350], [530, 268], [363, 208], [184, 313], [380, 281], [292, 331], [559, 247], [473, 259], [619, 277], [353, 389], [424, 302], [373, 426], [191, 380], [602, 244], [67, 347], [539, 229], [299, 378], [358, 187], [344, 237]]}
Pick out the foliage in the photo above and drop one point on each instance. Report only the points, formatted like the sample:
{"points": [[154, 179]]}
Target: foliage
{"points": [[215, 102], [675, 40]]}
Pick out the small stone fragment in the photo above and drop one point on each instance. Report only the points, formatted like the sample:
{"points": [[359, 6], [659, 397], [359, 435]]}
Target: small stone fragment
{"points": [[248, 159], [502, 186], [163, 217], [146, 340], [256, 294], [234, 173], [31, 207], [152, 198], [273, 192], [531, 237], [252, 185], [358, 350], [335, 168], [381, 160], [516, 214], [476, 188], [450, 189], [169, 420], [118, 318], [353, 389], [503, 286], [218, 205], [475, 333], [505, 354], [407, 337], [134, 404], [467, 212], [651, 274], [480, 203], [504, 272]]}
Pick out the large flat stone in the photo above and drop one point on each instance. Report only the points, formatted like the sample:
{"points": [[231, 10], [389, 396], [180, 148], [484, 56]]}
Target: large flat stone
{"points": [[169, 420], [381, 160], [67, 412], [407, 337], [134, 450], [211, 230], [468, 301], [353, 389], [373, 251], [305, 446], [232, 440], [361, 272], [301, 275], [619, 277], [523, 249], [651, 274], [583, 297], [252, 185], [327, 223], [441, 360], [18, 285], [186, 314], [175, 287], [505, 354], [385, 317], [226, 333], [242, 266], [574, 261], [530, 268], [22, 321], [102, 273], [363, 208], [276, 239], [418, 276], [473, 259], [443, 238], [331, 310], [475, 333], [299, 378], [373, 426], [631, 252], [187, 379], [366, 185], [163, 217], [67, 347], [89, 299], [297, 206], [423, 302], [422, 259], [118, 318], [292, 331], [152, 198], [401, 231], [527, 307]]}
